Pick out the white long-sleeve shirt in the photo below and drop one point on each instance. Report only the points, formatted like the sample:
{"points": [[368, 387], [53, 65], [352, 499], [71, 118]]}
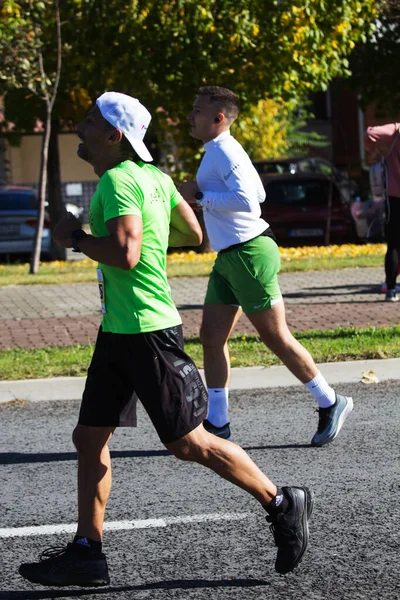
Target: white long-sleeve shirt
{"points": [[232, 192]]}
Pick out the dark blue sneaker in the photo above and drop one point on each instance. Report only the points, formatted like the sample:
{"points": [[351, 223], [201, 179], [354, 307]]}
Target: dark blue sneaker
{"points": [[222, 432], [331, 420], [73, 565], [290, 528]]}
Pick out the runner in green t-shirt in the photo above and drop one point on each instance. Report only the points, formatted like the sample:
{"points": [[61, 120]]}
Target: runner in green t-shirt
{"points": [[135, 214], [139, 299]]}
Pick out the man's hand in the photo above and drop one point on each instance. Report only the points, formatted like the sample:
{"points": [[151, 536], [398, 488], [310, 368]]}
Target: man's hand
{"points": [[62, 231], [188, 189]]}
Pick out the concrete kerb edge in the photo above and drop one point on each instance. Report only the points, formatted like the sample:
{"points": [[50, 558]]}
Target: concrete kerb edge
{"points": [[71, 388]]}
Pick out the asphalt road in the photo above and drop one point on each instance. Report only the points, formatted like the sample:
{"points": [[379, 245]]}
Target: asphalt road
{"points": [[354, 550]]}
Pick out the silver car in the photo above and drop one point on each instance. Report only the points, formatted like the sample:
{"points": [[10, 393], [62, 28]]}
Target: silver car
{"points": [[18, 219]]}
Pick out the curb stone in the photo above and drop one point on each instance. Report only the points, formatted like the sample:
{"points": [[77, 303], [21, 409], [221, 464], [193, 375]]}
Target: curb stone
{"points": [[71, 388]]}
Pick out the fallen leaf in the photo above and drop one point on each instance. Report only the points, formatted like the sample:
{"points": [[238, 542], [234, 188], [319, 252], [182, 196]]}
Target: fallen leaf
{"points": [[369, 377]]}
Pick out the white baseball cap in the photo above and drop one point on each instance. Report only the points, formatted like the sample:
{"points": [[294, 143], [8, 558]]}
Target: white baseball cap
{"points": [[129, 116]]}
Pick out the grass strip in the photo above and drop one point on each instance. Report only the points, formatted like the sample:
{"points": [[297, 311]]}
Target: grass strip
{"points": [[333, 345], [190, 264]]}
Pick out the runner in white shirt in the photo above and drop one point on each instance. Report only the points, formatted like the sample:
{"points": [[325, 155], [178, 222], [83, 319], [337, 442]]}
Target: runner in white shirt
{"points": [[233, 192], [244, 278]]}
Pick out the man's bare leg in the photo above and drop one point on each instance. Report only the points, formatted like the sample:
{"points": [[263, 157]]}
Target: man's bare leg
{"points": [[288, 508], [94, 478], [333, 408], [82, 562], [218, 322], [226, 459], [274, 332]]}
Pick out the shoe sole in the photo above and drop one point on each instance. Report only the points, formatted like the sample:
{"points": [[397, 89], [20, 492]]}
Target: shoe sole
{"points": [[93, 583], [306, 516], [342, 418], [67, 583]]}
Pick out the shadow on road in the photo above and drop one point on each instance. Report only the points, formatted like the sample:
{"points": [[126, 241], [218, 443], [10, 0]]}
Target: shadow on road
{"points": [[277, 447], [184, 584], [10, 458], [189, 306], [13, 458], [334, 292]]}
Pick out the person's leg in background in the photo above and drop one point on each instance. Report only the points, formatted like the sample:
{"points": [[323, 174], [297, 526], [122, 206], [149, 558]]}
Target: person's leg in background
{"points": [[252, 272], [392, 231], [333, 408], [221, 312], [217, 325]]}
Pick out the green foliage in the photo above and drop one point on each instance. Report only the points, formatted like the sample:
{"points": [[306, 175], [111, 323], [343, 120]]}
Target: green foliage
{"points": [[18, 43], [25, 29], [163, 51], [27, 60], [273, 129], [381, 52]]}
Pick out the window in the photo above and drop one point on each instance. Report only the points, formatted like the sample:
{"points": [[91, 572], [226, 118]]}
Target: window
{"points": [[300, 192], [272, 167], [324, 167], [306, 166]]}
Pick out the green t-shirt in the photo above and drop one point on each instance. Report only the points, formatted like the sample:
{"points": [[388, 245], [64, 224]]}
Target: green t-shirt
{"points": [[138, 300]]}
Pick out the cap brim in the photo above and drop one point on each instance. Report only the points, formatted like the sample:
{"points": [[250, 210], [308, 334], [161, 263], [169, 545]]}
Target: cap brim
{"points": [[140, 149]]}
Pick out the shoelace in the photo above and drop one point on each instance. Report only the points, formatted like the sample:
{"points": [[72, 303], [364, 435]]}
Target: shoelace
{"points": [[323, 418], [52, 552], [279, 532]]}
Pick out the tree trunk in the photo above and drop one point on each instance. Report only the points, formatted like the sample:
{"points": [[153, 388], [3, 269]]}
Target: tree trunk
{"points": [[329, 216], [44, 155], [35, 257], [56, 206], [3, 163]]}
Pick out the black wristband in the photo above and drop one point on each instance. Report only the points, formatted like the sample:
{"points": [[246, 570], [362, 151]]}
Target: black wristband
{"points": [[199, 197], [76, 237]]}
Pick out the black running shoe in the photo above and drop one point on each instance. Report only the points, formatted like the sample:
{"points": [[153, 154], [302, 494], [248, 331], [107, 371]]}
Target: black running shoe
{"points": [[222, 432], [290, 528], [73, 565]]}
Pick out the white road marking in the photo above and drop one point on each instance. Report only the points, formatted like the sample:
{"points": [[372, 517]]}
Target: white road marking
{"points": [[121, 525]]}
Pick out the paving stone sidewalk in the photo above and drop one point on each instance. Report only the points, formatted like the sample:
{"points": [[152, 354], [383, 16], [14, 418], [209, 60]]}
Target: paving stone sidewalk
{"points": [[36, 316]]}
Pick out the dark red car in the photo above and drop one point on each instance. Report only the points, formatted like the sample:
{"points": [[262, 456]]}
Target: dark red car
{"points": [[306, 210]]}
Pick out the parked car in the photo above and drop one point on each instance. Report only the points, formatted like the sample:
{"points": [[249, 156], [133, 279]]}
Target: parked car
{"points": [[313, 165], [18, 219], [296, 207]]}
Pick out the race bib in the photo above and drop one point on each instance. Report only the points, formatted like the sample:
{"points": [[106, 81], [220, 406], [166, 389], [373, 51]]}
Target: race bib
{"points": [[100, 280]]}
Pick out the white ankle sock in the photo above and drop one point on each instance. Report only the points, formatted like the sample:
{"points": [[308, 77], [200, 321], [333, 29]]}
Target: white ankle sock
{"points": [[322, 391], [218, 405]]}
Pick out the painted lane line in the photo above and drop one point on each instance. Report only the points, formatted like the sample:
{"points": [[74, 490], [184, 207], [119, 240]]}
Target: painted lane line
{"points": [[122, 525]]}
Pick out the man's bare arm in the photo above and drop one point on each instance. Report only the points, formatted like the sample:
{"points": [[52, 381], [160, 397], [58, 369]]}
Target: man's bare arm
{"points": [[185, 229], [120, 249]]}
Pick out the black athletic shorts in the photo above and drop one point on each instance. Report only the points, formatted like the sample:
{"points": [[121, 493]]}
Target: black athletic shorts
{"points": [[152, 367]]}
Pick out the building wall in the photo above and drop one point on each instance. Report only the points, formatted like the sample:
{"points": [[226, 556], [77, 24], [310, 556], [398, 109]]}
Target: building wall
{"points": [[24, 161], [24, 165]]}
